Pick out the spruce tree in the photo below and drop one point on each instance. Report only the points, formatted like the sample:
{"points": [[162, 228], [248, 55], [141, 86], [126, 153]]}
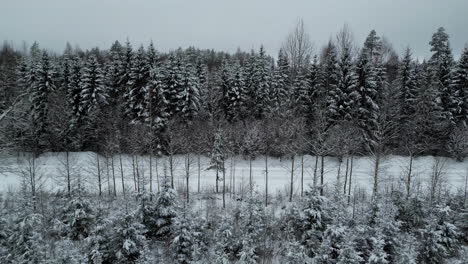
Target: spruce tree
{"points": [[280, 85], [261, 85], [334, 97], [441, 63], [138, 78], [346, 83], [459, 87], [42, 85], [93, 89], [407, 86], [189, 97]]}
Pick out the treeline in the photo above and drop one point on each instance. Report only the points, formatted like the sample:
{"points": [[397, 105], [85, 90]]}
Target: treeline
{"points": [[343, 101]]}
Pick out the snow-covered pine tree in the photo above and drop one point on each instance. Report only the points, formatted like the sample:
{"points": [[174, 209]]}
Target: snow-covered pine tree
{"points": [[77, 218], [65, 73], [128, 242], [330, 249], [315, 219], [74, 88], [26, 243], [315, 91], [217, 156], [134, 93], [151, 56], [173, 83], [113, 73], [302, 99], [166, 212], [441, 63], [347, 81], [93, 90], [280, 85], [189, 97], [407, 85], [183, 244], [459, 87], [261, 84], [366, 92], [43, 83], [334, 96], [155, 112], [125, 65], [439, 239], [232, 90]]}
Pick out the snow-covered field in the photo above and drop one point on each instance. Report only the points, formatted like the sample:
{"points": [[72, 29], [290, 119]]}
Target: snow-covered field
{"points": [[50, 168]]}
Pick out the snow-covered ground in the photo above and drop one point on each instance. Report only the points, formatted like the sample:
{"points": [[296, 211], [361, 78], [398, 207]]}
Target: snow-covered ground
{"points": [[50, 168]]}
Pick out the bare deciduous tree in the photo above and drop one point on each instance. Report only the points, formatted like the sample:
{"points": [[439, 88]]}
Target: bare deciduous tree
{"points": [[298, 47]]}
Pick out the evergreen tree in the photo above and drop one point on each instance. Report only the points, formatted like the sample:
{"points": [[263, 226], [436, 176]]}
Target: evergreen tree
{"points": [[155, 113], [166, 213], [189, 100], [346, 84], [93, 89], [183, 243], [43, 83], [407, 86], [173, 83], [77, 218], [459, 87], [26, 243], [260, 85], [232, 91], [441, 63], [302, 99], [138, 78], [74, 88], [114, 68], [280, 85], [334, 97], [365, 110]]}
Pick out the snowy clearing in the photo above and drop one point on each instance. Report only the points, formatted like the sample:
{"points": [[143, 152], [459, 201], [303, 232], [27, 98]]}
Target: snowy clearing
{"points": [[50, 166]]}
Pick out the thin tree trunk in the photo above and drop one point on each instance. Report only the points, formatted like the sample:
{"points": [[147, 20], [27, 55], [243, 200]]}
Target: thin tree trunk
{"points": [[99, 174], [266, 180], [292, 179], [171, 168], [346, 175], [108, 177], [302, 175], [198, 161], [187, 175], [122, 174], [466, 187], [321, 174], [315, 170], [224, 186], [150, 173], [350, 178], [376, 174], [408, 180], [138, 175], [338, 177], [134, 173], [157, 174], [217, 178], [250, 175], [68, 173], [113, 176]]}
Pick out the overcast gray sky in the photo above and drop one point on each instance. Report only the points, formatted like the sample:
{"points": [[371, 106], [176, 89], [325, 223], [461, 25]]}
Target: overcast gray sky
{"points": [[227, 25]]}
